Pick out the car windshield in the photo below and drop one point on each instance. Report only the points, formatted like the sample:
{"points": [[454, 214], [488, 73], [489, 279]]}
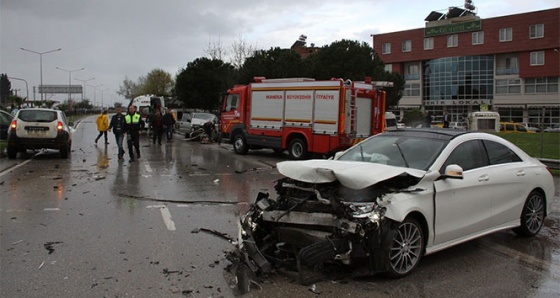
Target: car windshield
{"points": [[37, 116], [402, 151], [203, 116]]}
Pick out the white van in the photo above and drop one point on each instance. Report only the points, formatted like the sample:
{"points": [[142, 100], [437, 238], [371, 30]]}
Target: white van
{"points": [[390, 121], [484, 121], [147, 104]]}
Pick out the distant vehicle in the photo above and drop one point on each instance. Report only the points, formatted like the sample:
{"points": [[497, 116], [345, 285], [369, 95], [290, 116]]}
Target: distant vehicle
{"points": [[400, 125], [513, 127], [190, 122], [530, 126], [5, 121], [390, 121], [147, 104], [484, 121], [457, 125], [38, 128], [553, 128]]}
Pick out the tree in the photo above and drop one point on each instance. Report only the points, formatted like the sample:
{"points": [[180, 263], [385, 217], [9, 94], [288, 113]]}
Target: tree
{"points": [[272, 64], [157, 82], [129, 89], [16, 101], [240, 51], [199, 85]]}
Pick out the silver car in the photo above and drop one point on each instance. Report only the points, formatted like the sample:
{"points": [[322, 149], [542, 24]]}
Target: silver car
{"points": [[192, 121]]}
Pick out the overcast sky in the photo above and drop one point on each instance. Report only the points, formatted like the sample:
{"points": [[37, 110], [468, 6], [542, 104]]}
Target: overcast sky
{"points": [[112, 39]]}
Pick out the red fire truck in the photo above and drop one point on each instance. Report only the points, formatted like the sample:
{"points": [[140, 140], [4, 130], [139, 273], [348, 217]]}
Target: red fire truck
{"points": [[303, 116]]}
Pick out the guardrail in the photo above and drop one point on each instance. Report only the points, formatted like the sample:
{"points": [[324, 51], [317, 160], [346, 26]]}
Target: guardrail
{"points": [[551, 163]]}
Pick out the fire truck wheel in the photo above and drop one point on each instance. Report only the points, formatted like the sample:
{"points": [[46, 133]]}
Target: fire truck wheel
{"points": [[240, 144], [297, 149]]}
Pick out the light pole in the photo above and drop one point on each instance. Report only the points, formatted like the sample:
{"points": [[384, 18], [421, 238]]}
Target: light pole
{"points": [[103, 90], [84, 90], [41, 63], [69, 71], [94, 92]]}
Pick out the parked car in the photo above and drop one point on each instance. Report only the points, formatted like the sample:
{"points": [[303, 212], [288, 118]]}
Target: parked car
{"points": [[37, 128], [5, 121], [553, 128], [530, 126], [391, 199], [192, 121], [458, 125], [513, 127]]}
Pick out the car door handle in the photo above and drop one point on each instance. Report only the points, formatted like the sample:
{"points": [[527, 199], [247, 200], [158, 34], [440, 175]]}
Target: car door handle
{"points": [[483, 178], [521, 173]]}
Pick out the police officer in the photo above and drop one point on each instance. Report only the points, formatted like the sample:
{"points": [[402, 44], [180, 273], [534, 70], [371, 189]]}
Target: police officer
{"points": [[117, 124], [132, 125]]}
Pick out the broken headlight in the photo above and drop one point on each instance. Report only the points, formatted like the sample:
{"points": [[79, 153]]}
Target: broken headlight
{"points": [[371, 211]]}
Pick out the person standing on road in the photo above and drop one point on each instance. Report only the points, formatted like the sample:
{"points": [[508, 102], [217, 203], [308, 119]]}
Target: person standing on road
{"points": [[102, 126], [168, 123], [428, 119], [446, 117], [132, 125], [156, 125], [117, 125]]}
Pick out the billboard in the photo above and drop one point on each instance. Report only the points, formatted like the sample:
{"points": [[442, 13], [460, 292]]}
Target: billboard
{"points": [[60, 89]]}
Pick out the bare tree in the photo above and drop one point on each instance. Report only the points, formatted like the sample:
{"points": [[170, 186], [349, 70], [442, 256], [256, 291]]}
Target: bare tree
{"points": [[241, 49], [215, 49], [128, 89]]}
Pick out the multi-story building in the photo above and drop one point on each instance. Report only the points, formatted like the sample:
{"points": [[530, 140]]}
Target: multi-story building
{"points": [[460, 63]]}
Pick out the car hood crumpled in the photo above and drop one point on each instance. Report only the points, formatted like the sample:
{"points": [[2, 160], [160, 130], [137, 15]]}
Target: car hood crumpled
{"points": [[352, 174]]}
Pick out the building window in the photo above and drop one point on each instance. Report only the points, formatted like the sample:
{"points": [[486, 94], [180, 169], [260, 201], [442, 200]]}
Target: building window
{"points": [[505, 34], [411, 89], [411, 71], [541, 85], [452, 41], [536, 31], [457, 78], [537, 58], [406, 46], [386, 48], [389, 67], [478, 38], [429, 43], [507, 64], [511, 86]]}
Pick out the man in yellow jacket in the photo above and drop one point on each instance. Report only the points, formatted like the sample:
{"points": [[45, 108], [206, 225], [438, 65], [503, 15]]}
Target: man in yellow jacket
{"points": [[102, 126]]}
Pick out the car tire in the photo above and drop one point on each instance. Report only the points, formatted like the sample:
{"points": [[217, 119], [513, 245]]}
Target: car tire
{"points": [[532, 215], [65, 151], [240, 144], [11, 152], [297, 149], [405, 248]]}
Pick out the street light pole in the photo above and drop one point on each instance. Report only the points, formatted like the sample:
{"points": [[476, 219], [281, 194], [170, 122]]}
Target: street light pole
{"points": [[69, 71], [84, 82], [95, 92], [41, 63], [103, 90]]}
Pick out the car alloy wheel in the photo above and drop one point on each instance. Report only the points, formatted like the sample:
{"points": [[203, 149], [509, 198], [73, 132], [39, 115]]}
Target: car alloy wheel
{"points": [[406, 248], [532, 216]]}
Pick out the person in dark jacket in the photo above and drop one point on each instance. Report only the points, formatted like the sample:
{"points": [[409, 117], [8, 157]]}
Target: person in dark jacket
{"points": [[132, 125], [428, 119], [156, 125], [117, 125], [169, 124]]}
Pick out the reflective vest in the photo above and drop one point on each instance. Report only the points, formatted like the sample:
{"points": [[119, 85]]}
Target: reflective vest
{"points": [[135, 119]]}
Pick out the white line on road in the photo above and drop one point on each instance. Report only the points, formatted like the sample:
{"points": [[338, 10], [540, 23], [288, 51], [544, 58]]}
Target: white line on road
{"points": [[148, 168], [15, 167], [167, 219], [51, 209]]}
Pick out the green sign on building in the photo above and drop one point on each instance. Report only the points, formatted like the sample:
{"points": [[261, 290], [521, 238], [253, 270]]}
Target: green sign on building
{"points": [[453, 28]]}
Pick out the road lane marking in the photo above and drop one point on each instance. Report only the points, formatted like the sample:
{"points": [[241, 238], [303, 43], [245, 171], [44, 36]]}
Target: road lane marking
{"points": [[148, 168], [51, 209], [165, 214], [8, 170]]}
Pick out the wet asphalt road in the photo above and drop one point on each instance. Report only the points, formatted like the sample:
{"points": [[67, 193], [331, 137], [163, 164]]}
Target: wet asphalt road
{"points": [[93, 226]]}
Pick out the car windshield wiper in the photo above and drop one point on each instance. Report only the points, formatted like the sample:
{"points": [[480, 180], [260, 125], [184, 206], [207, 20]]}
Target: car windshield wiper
{"points": [[402, 154], [362, 152]]}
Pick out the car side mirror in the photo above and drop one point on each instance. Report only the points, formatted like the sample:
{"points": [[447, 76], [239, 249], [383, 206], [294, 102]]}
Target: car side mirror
{"points": [[453, 172]]}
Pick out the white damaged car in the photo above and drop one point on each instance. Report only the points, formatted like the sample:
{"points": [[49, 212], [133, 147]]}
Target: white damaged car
{"points": [[391, 199]]}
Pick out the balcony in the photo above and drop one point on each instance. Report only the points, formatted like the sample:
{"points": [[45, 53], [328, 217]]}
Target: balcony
{"points": [[507, 71]]}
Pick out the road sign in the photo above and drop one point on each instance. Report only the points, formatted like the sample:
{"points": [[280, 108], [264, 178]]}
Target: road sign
{"points": [[60, 89]]}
